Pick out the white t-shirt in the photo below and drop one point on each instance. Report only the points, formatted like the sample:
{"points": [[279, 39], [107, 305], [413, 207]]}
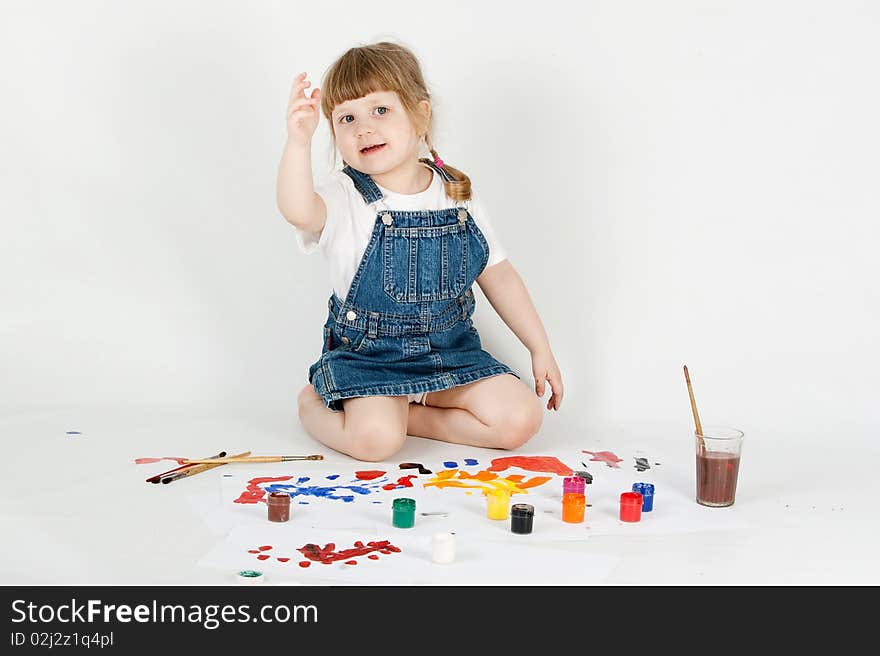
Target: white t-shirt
{"points": [[350, 222]]}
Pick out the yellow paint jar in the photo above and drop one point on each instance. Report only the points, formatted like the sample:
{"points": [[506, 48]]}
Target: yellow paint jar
{"points": [[497, 503]]}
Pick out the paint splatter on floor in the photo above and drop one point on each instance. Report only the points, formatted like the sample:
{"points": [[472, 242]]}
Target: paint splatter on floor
{"points": [[605, 456], [485, 480], [642, 464], [73, 433], [470, 462], [258, 488], [450, 464], [549, 464], [369, 475], [415, 465], [328, 554]]}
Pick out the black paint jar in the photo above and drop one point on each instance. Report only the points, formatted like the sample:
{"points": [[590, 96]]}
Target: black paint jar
{"points": [[522, 515]]}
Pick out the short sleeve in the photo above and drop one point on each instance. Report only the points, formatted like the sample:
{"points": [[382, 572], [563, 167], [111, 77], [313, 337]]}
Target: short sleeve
{"points": [[336, 201], [484, 222]]}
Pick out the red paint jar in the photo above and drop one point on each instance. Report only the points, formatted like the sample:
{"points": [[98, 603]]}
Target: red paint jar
{"points": [[630, 507], [279, 506]]}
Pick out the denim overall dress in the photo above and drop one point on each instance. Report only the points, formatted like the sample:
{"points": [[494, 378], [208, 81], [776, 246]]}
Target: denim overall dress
{"points": [[405, 325]]}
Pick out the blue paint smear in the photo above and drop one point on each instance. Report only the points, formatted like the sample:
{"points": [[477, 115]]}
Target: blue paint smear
{"points": [[449, 464], [332, 477], [377, 502], [322, 492], [303, 503], [74, 433], [470, 461], [302, 480]]}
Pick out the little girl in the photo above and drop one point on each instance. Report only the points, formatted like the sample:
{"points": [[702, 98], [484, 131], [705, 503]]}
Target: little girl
{"points": [[405, 238]]}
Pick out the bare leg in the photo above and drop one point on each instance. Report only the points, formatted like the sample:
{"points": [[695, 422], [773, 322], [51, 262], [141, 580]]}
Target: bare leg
{"points": [[370, 428], [499, 412]]}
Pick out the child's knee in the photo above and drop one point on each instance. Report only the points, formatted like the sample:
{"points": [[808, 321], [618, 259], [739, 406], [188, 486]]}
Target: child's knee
{"points": [[520, 424], [376, 442], [306, 396]]}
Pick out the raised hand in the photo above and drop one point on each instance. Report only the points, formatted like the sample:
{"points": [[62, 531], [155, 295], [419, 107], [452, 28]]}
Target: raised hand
{"points": [[302, 112]]}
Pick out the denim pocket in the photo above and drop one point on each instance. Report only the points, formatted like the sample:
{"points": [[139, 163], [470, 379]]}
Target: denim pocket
{"points": [[350, 339], [425, 264]]}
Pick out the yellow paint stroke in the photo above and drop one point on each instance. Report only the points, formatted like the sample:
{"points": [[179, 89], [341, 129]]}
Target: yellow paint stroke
{"points": [[485, 481]]}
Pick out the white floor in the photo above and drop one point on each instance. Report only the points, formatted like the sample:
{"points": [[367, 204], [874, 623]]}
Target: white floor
{"points": [[75, 509]]}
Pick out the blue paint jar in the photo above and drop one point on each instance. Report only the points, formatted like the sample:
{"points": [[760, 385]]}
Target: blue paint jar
{"points": [[647, 492]]}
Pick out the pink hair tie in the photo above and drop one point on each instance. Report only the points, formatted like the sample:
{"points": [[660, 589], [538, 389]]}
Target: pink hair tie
{"points": [[438, 162]]}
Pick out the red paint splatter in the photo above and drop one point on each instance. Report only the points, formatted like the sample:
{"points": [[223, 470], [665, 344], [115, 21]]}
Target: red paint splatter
{"points": [[304, 563], [549, 464], [283, 560], [254, 493], [262, 556], [605, 456], [373, 557], [145, 461], [369, 475], [351, 562], [253, 551], [403, 481], [328, 554], [265, 547]]}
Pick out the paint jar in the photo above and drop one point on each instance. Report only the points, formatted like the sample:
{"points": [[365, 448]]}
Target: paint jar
{"points": [[403, 512], [587, 476], [630, 507], [647, 492], [279, 506], [443, 551], [573, 507], [522, 515], [574, 484], [249, 577], [497, 503]]}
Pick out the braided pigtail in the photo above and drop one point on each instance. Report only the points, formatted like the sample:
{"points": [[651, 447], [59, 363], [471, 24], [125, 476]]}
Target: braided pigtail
{"points": [[460, 187]]}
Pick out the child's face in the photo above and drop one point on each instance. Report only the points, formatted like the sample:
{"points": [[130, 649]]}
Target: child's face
{"points": [[375, 133]]}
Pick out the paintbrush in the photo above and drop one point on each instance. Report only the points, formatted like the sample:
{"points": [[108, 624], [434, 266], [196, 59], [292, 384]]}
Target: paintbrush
{"points": [[213, 461], [159, 477], [699, 427], [197, 469]]}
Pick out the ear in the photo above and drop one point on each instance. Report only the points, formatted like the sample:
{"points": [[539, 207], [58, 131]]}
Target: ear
{"points": [[423, 111]]}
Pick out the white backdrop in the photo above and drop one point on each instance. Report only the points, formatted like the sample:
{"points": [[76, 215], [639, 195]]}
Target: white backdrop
{"points": [[679, 182]]}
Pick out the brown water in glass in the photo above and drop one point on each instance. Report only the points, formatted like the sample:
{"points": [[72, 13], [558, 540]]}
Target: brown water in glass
{"points": [[716, 478]]}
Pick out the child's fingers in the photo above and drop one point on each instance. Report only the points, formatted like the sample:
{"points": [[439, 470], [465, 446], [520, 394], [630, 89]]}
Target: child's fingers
{"points": [[299, 84], [556, 385], [539, 385], [301, 103]]}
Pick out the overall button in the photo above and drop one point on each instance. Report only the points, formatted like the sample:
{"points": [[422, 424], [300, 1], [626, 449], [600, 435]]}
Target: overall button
{"points": [[462, 216], [351, 315], [387, 218], [468, 293], [345, 340]]}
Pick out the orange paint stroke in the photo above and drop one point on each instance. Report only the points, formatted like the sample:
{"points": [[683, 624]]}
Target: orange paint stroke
{"points": [[549, 464], [485, 481]]}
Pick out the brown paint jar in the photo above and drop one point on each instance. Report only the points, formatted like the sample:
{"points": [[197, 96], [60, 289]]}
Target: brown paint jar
{"points": [[279, 506]]}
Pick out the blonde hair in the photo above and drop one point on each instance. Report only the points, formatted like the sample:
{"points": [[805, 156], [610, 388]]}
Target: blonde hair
{"points": [[386, 66]]}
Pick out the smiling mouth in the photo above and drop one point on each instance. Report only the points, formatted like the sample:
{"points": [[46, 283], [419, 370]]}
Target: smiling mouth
{"points": [[372, 149]]}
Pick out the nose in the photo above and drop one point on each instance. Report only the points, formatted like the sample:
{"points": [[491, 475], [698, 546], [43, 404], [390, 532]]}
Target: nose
{"points": [[364, 128]]}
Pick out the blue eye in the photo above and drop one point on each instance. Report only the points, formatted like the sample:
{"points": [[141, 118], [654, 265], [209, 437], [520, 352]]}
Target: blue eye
{"points": [[382, 110], [344, 119]]}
